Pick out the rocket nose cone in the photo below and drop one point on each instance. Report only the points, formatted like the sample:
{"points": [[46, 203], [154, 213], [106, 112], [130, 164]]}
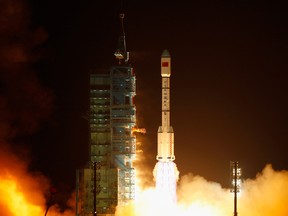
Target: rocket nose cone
{"points": [[165, 53]]}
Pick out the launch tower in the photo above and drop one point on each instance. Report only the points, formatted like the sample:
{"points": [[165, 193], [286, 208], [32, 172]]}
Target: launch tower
{"points": [[109, 179]]}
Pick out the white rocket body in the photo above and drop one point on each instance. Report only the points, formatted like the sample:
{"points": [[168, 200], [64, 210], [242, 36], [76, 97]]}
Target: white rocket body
{"points": [[165, 148]]}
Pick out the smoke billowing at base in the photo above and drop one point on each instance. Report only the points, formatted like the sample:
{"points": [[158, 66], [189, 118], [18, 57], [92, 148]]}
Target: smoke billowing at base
{"points": [[265, 195]]}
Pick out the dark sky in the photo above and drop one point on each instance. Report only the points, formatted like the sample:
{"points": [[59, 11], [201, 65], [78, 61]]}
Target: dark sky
{"points": [[229, 82]]}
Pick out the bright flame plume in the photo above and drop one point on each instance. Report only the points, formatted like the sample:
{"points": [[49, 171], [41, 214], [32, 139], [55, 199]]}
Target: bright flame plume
{"points": [[22, 192], [15, 200], [166, 176]]}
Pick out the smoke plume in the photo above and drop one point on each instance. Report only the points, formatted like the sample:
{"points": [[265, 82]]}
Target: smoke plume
{"points": [[266, 195], [24, 105]]}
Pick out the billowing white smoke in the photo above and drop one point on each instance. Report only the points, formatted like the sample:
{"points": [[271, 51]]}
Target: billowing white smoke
{"points": [[266, 195]]}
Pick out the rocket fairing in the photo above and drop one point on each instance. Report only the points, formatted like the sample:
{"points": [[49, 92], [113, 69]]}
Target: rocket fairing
{"points": [[165, 138]]}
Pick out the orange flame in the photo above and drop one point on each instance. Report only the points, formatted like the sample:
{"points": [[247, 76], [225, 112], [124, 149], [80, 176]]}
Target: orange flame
{"points": [[139, 130], [15, 200], [22, 192]]}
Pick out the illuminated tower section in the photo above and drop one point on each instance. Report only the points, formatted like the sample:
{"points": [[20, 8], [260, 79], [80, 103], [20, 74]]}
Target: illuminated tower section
{"points": [[123, 120], [165, 142], [123, 140]]}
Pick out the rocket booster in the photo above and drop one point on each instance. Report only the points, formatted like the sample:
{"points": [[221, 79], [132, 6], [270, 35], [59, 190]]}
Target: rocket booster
{"points": [[165, 139]]}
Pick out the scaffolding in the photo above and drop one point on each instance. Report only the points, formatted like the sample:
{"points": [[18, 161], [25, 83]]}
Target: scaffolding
{"points": [[123, 120], [109, 178]]}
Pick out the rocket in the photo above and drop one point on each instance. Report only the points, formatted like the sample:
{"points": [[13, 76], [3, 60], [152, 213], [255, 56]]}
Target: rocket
{"points": [[165, 138]]}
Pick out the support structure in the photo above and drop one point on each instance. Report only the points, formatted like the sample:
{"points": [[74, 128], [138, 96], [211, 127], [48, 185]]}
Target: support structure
{"points": [[235, 182], [109, 178]]}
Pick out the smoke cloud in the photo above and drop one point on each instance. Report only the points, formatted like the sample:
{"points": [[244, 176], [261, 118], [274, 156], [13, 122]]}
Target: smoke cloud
{"points": [[266, 195], [19, 189], [24, 105]]}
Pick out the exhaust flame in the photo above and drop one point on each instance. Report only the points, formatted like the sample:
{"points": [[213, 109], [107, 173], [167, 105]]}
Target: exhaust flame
{"points": [[166, 176]]}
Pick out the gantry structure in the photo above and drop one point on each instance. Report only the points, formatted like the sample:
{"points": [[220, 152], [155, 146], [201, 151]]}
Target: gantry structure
{"points": [[109, 178]]}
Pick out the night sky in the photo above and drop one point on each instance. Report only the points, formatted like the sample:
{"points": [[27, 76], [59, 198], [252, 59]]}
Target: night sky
{"points": [[229, 81]]}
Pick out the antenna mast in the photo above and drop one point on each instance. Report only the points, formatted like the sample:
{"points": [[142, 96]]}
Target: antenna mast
{"points": [[121, 53]]}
